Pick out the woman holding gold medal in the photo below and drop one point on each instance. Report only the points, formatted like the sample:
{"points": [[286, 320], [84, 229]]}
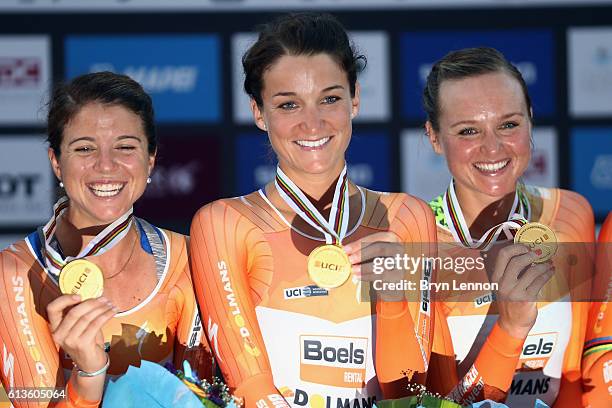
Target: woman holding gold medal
{"points": [[104, 287], [272, 269], [523, 341], [597, 353]]}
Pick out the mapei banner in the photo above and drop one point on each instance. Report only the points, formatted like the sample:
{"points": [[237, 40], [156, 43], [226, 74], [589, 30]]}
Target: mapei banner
{"points": [[531, 51], [181, 72], [591, 166], [368, 158]]}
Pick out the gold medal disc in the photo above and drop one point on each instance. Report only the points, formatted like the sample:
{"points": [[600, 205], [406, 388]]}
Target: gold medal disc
{"points": [[81, 277], [539, 238], [329, 266]]}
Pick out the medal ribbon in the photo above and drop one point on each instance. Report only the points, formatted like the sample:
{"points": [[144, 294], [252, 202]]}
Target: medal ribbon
{"points": [[334, 229], [101, 243], [519, 216]]}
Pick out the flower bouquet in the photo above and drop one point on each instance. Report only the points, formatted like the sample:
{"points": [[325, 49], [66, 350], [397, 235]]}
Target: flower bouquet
{"points": [[425, 399], [154, 386], [429, 401]]}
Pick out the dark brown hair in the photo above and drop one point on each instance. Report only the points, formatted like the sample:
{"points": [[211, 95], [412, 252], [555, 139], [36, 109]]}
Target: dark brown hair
{"points": [[106, 88], [299, 34], [467, 62]]}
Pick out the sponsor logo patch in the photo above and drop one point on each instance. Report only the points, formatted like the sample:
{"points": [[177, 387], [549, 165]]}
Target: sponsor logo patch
{"points": [[537, 350], [333, 360], [304, 292], [303, 399], [484, 300], [531, 386]]}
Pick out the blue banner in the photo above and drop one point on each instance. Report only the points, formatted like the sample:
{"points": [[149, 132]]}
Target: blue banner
{"points": [[368, 159], [181, 73], [531, 51], [591, 173]]}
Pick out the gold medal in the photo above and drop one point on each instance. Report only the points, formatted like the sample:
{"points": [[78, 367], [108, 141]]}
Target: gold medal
{"points": [[539, 238], [329, 266], [81, 277]]}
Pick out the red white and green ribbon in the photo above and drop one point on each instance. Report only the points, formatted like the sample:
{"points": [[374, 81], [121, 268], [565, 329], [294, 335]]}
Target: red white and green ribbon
{"points": [[519, 215], [334, 229], [101, 243]]}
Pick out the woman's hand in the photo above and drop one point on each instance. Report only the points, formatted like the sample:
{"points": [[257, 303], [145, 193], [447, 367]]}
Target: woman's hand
{"points": [[363, 255], [519, 282], [77, 328]]}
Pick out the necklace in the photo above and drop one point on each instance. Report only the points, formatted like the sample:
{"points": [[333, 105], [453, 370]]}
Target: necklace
{"points": [[125, 263]]}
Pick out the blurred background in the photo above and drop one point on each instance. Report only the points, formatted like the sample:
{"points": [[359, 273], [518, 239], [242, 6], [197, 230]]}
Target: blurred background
{"points": [[186, 53]]}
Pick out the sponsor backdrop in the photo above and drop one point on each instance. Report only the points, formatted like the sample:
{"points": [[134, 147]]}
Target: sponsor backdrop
{"points": [[189, 61], [590, 71], [219, 5], [5, 241], [592, 166], [419, 51], [182, 73], [184, 177], [26, 187], [25, 74]]}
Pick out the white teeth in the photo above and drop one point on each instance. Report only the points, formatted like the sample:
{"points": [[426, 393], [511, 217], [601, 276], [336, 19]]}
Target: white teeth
{"points": [[492, 166], [106, 190], [313, 143]]}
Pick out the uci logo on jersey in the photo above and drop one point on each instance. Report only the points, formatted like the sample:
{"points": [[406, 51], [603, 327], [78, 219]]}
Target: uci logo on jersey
{"points": [[333, 360], [537, 350], [484, 300], [305, 291]]}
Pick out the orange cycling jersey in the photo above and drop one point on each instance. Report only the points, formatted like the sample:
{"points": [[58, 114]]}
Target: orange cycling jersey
{"points": [[280, 339], [490, 363], [597, 357], [165, 327]]}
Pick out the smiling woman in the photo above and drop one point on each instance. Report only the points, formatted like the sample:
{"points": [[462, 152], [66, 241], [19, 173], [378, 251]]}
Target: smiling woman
{"points": [[103, 162], [272, 269], [479, 118], [102, 149]]}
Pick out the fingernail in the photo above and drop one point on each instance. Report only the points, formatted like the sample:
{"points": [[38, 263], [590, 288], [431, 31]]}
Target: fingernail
{"points": [[102, 299], [115, 309], [353, 258], [76, 297]]}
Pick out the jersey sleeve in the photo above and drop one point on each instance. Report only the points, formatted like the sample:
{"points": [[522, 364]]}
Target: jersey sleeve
{"points": [[190, 341], [485, 380], [482, 380], [597, 353], [29, 356], [404, 335], [223, 253]]}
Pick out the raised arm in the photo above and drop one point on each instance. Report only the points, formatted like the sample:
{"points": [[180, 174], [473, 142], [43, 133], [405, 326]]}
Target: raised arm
{"points": [[30, 357]]}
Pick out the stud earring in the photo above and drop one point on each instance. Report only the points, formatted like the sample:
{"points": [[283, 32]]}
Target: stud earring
{"points": [[148, 180], [61, 184]]}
